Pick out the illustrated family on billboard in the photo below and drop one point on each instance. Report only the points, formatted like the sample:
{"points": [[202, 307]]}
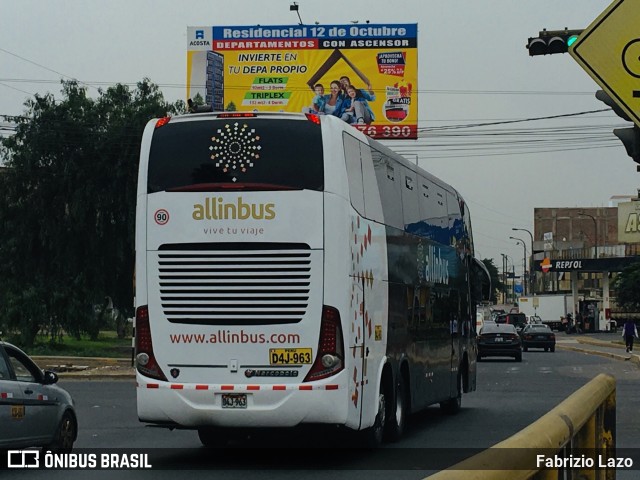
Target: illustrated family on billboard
{"points": [[344, 101]]}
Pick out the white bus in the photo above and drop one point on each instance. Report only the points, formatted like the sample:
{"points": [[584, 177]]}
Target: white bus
{"points": [[291, 270]]}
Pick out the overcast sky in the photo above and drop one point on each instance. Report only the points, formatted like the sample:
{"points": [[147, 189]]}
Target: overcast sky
{"points": [[473, 68]]}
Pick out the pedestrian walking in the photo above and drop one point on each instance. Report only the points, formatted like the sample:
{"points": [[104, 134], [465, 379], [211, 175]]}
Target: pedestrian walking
{"points": [[629, 332]]}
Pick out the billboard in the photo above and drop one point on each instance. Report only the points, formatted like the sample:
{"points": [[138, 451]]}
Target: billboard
{"points": [[308, 68], [629, 222]]}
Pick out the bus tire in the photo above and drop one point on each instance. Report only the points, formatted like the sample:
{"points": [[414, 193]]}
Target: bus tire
{"points": [[374, 435], [398, 419], [453, 405], [212, 437]]}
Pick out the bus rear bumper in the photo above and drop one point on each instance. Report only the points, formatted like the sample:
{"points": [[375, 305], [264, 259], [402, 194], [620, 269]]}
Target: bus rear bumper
{"points": [[195, 406]]}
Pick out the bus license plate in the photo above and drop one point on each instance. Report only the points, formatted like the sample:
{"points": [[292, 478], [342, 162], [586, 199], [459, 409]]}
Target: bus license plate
{"points": [[289, 356], [234, 400]]}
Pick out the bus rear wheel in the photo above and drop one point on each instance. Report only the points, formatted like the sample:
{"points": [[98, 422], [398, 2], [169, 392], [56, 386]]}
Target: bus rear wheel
{"points": [[374, 435], [453, 405], [398, 419]]}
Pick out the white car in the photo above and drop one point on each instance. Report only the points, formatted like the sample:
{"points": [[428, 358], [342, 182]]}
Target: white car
{"points": [[33, 411]]}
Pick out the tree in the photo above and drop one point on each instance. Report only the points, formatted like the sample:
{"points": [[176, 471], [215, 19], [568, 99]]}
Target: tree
{"points": [[627, 286], [68, 207], [198, 100], [496, 284]]}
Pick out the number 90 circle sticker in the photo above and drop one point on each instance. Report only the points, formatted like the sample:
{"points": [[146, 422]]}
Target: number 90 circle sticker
{"points": [[161, 217]]}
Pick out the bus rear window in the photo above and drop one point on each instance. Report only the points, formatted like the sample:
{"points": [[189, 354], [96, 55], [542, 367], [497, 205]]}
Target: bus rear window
{"points": [[243, 154]]}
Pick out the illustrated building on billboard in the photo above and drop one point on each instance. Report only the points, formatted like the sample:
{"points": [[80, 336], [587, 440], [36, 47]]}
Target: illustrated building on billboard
{"points": [[214, 95]]}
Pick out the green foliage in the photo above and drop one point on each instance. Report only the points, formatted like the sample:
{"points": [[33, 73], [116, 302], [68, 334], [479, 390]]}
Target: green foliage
{"points": [[198, 100], [231, 107], [68, 207], [496, 284], [106, 344], [627, 287]]}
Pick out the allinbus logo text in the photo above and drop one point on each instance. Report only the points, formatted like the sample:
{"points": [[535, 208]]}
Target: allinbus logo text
{"points": [[214, 208]]}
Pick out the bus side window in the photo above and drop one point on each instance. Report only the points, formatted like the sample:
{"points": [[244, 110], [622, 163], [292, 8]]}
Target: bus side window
{"points": [[410, 201], [433, 212], [372, 203], [390, 188], [354, 172]]}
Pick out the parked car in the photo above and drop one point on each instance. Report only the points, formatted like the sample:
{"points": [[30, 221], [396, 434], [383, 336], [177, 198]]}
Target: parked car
{"points": [[538, 336], [499, 340], [34, 412]]}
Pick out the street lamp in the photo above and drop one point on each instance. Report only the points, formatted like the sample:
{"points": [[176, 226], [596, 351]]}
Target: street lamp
{"points": [[595, 228], [531, 277], [524, 262]]}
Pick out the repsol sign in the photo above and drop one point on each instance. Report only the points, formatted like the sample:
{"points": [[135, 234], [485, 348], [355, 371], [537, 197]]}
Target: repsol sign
{"points": [[568, 265]]}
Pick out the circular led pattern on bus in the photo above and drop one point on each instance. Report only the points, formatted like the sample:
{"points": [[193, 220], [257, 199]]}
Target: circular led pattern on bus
{"points": [[234, 148]]}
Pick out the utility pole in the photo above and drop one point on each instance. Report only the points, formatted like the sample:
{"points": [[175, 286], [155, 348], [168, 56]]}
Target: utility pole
{"points": [[504, 278]]}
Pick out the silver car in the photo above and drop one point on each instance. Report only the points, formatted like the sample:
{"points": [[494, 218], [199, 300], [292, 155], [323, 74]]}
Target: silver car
{"points": [[33, 411]]}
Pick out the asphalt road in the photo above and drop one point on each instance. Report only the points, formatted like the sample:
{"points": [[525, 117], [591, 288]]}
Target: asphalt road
{"points": [[510, 396]]}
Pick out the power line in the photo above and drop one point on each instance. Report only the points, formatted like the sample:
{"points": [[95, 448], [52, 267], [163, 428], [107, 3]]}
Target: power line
{"points": [[17, 89], [42, 66], [305, 89]]}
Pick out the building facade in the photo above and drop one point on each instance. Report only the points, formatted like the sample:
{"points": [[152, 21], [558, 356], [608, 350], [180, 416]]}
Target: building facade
{"points": [[580, 251]]}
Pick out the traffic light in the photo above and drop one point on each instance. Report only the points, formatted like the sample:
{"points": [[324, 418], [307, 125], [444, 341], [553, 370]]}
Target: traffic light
{"points": [[630, 136], [631, 140], [552, 41]]}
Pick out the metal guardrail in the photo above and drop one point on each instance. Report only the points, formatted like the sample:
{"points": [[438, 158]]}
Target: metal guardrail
{"points": [[584, 422]]}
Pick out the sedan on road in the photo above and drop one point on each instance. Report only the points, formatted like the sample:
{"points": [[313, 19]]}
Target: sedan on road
{"points": [[499, 340], [538, 336], [33, 411]]}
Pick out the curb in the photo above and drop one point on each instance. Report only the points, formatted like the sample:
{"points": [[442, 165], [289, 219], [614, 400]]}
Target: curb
{"points": [[98, 376], [601, 343], [87, 368], [635, 359]]}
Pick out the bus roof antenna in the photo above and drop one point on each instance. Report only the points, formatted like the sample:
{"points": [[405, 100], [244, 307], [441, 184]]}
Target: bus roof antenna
{"points": [[295, 8]]}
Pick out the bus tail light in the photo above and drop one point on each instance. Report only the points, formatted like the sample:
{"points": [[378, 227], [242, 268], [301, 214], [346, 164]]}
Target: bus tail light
{"points": [[312, 117], [146, 362], [330, 356], [162, 121]]}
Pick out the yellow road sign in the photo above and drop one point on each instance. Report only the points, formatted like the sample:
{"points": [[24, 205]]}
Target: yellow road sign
{"points": [[609, 51]]}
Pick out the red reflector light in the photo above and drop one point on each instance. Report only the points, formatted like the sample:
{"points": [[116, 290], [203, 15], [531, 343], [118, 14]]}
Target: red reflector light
{"points": [[162, 121], [330, 344], [237, 115], [144, 346], [312, 117]]}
